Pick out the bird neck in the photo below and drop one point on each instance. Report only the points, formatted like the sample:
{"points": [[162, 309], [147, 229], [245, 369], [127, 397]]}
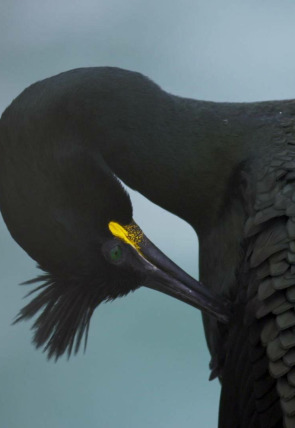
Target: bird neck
{"points": [[182, 154]]}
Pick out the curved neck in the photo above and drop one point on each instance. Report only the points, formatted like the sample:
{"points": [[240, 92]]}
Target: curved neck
{"points": [[181, 154]]}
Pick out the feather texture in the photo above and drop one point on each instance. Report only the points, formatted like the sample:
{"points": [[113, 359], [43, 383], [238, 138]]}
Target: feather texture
{"points": [[67, 307]]}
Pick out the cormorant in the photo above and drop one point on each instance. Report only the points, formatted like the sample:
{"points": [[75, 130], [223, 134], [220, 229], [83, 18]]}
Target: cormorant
{"points": [[228, 169]]}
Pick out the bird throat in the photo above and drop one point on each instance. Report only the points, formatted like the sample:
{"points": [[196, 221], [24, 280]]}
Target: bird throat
{"points": [[130, 233]]}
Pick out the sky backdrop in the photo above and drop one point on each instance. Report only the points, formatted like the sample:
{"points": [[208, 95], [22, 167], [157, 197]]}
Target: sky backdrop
{"points": [[146, 364]]}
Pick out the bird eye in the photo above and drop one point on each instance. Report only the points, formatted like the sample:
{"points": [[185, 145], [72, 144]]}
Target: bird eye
{"points": [[116, 253]]}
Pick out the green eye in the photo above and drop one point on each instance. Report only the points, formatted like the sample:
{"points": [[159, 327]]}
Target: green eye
{"points": [[116, 253]]}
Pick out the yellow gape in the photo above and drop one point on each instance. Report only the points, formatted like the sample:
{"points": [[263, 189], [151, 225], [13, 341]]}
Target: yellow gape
{"points": [[131, 233]]}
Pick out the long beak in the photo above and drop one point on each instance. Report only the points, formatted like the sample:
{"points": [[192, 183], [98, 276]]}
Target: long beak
{"points": [[165, 276]]}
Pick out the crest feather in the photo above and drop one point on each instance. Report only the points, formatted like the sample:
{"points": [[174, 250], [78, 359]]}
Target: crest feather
{"points": [[67, 306]]}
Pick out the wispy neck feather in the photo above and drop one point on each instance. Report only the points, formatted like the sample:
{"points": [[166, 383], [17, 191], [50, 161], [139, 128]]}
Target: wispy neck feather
{"points": [[67, 307]]}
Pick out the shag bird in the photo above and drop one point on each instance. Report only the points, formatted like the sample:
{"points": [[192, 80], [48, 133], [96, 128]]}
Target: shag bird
{"points": [[228, 169]]}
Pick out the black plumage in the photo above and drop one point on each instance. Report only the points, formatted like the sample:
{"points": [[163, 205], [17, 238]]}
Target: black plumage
{"points": [[226, 168]]}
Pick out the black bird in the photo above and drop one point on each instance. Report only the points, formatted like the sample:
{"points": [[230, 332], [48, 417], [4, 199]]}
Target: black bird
{"points": [[63, 203], [228, 169]]}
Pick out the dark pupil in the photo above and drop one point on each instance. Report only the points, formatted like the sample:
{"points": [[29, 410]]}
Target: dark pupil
{"points": [[116, 253]]}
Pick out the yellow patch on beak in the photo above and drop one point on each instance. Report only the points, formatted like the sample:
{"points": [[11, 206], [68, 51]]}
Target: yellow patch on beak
{"points": [[131, 233]]}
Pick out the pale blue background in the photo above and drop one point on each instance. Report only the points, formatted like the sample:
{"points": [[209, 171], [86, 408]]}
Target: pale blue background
{"points": [[147, 363]]}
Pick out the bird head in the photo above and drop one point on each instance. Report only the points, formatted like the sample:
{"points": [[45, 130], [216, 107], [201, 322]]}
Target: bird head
{"points": [[80, 230]]}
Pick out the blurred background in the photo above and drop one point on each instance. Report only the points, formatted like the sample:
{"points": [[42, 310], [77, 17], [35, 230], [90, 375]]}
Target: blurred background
{"points": [[146, 364]]}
